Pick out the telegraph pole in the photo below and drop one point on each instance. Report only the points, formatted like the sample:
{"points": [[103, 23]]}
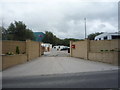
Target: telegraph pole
{"points": [[85, 28]]}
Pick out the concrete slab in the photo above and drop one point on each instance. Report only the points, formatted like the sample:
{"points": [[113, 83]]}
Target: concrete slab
{"points": [[56, 65]]}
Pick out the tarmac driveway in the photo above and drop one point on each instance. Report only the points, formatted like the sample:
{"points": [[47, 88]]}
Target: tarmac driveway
{"points": [[50, 64]]}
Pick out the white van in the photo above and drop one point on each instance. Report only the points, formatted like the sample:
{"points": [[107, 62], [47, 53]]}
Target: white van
{"points": [[59, 47]]}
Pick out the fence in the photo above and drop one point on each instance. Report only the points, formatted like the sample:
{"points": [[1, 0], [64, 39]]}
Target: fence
{"points": [[103, 50], [28, 51]]}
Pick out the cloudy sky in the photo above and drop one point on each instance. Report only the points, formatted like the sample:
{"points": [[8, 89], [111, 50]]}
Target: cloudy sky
{"points": [[65, 18]]}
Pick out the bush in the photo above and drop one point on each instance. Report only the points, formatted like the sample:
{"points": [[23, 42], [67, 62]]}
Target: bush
{"points": [[118, 50], [112, 50], [23, 53], [101, 50], [10, 53], [17, 50], [106, 50]]}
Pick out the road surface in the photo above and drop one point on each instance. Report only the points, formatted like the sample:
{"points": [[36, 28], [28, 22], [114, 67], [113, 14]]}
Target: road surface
{"points": [[101, 79], [56, 69], [57, 53]]}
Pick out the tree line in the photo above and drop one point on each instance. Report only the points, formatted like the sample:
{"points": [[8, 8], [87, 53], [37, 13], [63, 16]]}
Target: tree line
{"points": [[51, 38], [19, 31]]}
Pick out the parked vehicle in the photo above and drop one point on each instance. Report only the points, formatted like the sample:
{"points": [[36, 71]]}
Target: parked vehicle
{"points": [[56, 47], [61, 47], [108, 36], [65, 48]]}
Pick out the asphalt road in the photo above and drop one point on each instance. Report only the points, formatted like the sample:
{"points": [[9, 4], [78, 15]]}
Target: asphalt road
{"points": [[55, 53], [101, 79]]}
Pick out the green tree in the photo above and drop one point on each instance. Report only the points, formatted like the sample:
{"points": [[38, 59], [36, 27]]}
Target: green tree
{"points": [[18, 31], [0, 33], [3, 33], [93, 35], [66, 41], [51, 38]]}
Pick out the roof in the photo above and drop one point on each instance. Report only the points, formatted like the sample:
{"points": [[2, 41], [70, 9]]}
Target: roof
{"points": [[108, 34], [39, 36]]}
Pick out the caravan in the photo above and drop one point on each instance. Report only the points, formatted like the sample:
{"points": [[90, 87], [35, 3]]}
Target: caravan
{"points": [[108, 36]]}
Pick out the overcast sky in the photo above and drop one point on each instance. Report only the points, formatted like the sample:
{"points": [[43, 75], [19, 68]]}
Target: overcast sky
{"points": [[65, 18]]}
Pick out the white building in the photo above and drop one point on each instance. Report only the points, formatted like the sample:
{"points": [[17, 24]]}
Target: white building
{"points": [[47, 45], [108, 36]]}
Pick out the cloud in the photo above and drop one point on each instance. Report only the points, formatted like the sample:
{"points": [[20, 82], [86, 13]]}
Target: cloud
{"points": [[64, 18]]}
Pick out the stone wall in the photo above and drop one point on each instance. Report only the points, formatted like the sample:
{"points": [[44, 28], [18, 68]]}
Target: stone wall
{"points": [[12, 60], [91, 50], [29, 50], [10, 46], [97, 46]]}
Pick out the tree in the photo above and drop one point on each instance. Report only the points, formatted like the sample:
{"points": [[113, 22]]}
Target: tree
{"points": [[66, 41], [3, 33], [51, 38], [0, 33], [93, 35], [18, 31]]}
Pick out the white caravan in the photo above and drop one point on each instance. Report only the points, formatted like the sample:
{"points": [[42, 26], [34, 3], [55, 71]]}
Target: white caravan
{"points": [[108, 36]]}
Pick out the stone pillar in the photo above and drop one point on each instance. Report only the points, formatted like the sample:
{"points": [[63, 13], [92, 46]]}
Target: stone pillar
{"points": [[87, 48], [40, 49], [71, 48], [27, 49]]}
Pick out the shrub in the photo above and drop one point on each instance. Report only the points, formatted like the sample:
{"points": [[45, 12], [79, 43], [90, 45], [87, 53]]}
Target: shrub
{"points": [[106, 50], [10, 53], [101, 50], [23, 53], [17, 50], [112, 50]]}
